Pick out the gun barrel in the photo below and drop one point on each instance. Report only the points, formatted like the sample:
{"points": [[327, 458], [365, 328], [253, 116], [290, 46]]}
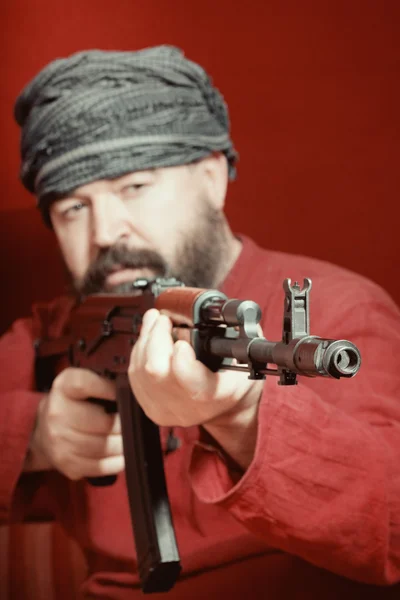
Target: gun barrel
{"points": [[309, 355], [342, 359]]}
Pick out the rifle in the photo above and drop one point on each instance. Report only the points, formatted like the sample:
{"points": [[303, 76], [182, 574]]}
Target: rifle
{"points": [[225, 334]]}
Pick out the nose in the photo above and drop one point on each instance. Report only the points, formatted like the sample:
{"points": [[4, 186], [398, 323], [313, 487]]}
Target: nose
{"points": [[111, 221]]}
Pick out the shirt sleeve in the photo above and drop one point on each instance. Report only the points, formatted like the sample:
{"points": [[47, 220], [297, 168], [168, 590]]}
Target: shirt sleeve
{"points": [[19, 494], [324, 483]]}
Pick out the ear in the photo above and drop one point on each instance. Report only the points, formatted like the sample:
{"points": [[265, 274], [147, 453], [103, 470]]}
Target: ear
{"points": [[215, 176]]}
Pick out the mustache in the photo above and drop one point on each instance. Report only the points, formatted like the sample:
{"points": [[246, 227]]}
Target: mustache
{"points": [[119, 257]]}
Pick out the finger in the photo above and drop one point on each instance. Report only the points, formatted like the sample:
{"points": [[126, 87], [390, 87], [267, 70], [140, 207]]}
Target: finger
{"points": [[159, 348], [91, 467], [189, 372], [137, 355], [79, 384], [92, 418], [96, 446], [149, 318]]}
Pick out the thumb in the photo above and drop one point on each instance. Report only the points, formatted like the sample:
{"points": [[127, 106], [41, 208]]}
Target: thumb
{"points": [[190, 373], [79, 384]]}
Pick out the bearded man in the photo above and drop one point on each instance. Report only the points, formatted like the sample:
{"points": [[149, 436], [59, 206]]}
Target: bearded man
{"points": [[129, 155]]}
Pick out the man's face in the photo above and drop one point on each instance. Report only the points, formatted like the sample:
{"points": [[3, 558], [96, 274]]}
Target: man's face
{"points": [[157, 222]]}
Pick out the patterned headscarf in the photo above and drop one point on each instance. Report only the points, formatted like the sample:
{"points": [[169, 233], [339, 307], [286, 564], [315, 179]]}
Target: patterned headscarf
{"points": [[101, 114]]}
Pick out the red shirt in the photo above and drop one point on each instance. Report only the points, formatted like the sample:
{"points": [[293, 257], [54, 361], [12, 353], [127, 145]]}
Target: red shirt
{"points": [[319, 505]]}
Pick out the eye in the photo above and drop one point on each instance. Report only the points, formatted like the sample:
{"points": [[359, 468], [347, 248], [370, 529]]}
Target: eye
{"points": [[71, 211], [133, 188]]}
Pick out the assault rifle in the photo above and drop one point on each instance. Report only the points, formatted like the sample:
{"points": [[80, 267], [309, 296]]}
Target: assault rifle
{"points": [[225, 335]]}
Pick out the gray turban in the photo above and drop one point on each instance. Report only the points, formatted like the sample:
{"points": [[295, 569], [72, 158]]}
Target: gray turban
{"points": [[102, 114]]}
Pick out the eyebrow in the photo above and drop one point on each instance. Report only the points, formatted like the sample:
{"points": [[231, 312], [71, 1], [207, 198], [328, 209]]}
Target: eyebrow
{"points": [[79, 196], [68, 196], [152, 172]]}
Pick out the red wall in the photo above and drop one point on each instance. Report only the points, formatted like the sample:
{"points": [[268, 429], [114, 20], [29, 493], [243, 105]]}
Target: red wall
{"points": [[314, 93]]}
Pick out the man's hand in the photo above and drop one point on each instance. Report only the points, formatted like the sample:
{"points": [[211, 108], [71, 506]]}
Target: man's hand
{"points": [[75, 436], [175, 389]]}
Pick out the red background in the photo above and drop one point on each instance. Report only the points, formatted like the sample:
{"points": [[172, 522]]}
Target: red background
{"points": [[314, 94]]}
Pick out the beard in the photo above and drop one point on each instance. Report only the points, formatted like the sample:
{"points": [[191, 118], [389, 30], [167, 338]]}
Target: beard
{"points": [[198, 262]]}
